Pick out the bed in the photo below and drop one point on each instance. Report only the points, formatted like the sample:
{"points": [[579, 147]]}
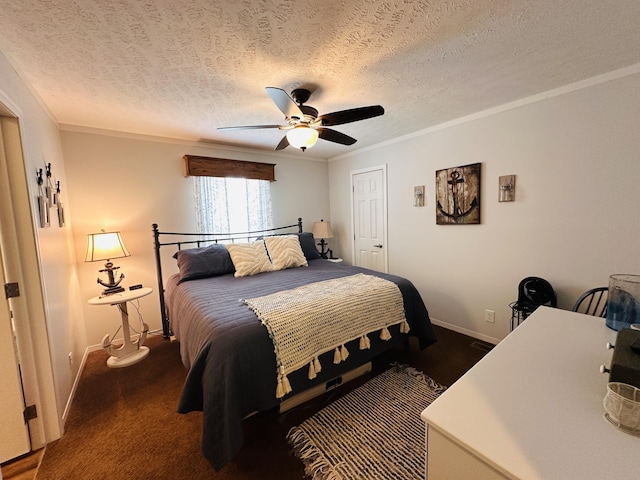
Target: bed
{"points": [[233, 365]]}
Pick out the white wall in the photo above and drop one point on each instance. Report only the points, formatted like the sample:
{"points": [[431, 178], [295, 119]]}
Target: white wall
{"points": [[574, 222], [63, 332], [127, 183]]}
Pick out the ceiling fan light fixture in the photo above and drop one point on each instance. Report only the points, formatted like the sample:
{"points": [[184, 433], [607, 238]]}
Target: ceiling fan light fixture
{"points": [[302, 137], [303, 123]]}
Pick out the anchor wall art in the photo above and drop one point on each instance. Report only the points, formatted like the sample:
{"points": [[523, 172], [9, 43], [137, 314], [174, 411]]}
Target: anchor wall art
{"points": [[458, 195]]}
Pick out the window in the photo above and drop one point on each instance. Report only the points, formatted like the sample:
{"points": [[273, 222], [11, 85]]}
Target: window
{"points": [[232, 205]]}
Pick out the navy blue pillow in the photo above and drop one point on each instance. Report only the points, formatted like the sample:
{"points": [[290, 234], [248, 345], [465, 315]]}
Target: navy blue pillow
{"points": [[210, 261], [308, 245]]}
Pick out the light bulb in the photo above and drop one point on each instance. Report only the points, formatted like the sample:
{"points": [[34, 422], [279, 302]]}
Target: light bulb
{"points": [[302, 137]]}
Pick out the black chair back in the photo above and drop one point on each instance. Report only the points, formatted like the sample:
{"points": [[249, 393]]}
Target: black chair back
{"points": [[593, 302]]}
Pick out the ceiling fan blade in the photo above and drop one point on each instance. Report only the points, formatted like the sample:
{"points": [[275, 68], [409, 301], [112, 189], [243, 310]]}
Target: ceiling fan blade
{"points": [[251, 127], [284, 143], [334, 136], [285, 103], [351, 115]]}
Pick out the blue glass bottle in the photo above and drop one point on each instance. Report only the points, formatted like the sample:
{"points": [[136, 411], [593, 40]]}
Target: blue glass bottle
{"points": [[623, 308]]}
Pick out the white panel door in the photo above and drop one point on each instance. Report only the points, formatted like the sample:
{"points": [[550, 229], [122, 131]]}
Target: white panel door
{"points": [[369, 219], [14, 435]]}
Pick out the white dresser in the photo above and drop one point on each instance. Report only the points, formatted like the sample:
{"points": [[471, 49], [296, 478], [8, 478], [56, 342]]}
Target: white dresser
{"points": [[532, 409]]}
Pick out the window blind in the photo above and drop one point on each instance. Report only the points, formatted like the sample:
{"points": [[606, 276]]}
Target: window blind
{"points": [[197, 166]]}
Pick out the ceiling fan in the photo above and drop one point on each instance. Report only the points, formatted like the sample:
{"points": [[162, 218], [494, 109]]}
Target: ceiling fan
{"points": [[303, 124]]}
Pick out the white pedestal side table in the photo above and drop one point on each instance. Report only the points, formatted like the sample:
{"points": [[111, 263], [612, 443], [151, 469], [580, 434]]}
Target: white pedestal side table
{"points": [[129, 352]]}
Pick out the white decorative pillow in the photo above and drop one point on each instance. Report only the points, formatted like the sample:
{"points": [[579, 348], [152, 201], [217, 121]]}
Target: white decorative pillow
{"points": [[285, 252], [249, 258]]}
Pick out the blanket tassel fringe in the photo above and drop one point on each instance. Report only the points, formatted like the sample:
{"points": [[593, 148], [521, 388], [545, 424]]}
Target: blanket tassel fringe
{"points": [[314, 368], [404, 327], [340, 354], [384, 334], [283, 386]]}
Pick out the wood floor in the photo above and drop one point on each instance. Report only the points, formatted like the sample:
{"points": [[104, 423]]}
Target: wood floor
{"points": [[445, 362], [23, 468]]}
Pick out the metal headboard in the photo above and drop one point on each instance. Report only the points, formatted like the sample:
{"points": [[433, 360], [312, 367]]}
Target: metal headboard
{"points": [[194, 240]]}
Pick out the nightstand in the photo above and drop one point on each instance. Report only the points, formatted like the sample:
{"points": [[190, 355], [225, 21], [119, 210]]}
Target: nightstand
{"points": [[129, 352]]}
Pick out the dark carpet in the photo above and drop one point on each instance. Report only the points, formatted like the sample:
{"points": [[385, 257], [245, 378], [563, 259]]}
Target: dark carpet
{"points": [[123, 423]]}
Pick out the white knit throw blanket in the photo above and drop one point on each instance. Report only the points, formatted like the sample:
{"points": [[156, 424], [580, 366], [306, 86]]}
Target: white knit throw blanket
{"points": [[310, 320]]}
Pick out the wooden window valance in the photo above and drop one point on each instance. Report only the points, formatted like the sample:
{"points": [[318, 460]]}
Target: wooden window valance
{"points": [[221, 167]]}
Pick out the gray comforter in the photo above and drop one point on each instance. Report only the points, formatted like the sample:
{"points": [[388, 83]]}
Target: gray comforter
{"points": [[230, 357]]}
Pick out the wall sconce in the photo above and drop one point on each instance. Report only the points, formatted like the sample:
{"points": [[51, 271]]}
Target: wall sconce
{"points": [[507, 188], [418, 196]]}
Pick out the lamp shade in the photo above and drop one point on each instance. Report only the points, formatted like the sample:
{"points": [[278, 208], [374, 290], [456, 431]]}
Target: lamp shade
{"points": [[322, 229], [105, 246], [302, 137]]}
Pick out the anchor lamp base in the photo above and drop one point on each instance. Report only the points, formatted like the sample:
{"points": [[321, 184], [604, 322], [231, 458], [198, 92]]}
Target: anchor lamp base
{"points": [[323, 251], [113, 285]]}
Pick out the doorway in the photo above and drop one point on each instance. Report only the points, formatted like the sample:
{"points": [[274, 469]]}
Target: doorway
{"points": [[369, 218], [23, 313], [14, 432]]}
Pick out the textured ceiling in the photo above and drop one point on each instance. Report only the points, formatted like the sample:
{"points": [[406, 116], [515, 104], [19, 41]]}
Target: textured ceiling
{"points": [[182, 68]]}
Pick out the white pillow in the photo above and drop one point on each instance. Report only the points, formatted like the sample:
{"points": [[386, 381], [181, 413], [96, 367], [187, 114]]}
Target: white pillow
{"points": [[249, 258], [285, 252]]}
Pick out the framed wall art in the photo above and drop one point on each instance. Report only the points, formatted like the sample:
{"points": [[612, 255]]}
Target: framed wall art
{"points": [[43, 210], [458, 195], [61, 219]]}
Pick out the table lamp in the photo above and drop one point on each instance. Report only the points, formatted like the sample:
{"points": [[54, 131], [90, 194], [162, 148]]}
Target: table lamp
{"points": [[107, 246], [322, 230]]}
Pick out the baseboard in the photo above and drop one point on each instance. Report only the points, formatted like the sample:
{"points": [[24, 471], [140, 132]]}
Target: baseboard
{"points": [[74, 387], [464, 331]]}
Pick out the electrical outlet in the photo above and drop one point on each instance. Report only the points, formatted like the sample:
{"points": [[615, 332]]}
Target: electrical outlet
{"points": [[489, 316]]}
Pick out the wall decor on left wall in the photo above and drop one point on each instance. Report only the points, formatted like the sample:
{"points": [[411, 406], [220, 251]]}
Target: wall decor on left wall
{"points": [[48, 197], [61, 219], [458, 195], [58, 203], [43, 201], [49, 188]]}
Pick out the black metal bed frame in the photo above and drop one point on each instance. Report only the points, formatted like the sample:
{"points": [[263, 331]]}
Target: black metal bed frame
{"points": [[202, 239]]}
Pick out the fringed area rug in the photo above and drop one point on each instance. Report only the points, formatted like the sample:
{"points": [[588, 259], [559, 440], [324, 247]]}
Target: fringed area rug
{"points": [[373, 432]]}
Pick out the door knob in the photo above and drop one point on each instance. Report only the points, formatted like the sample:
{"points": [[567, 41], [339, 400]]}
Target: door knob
{"points": [[378, 246]]}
